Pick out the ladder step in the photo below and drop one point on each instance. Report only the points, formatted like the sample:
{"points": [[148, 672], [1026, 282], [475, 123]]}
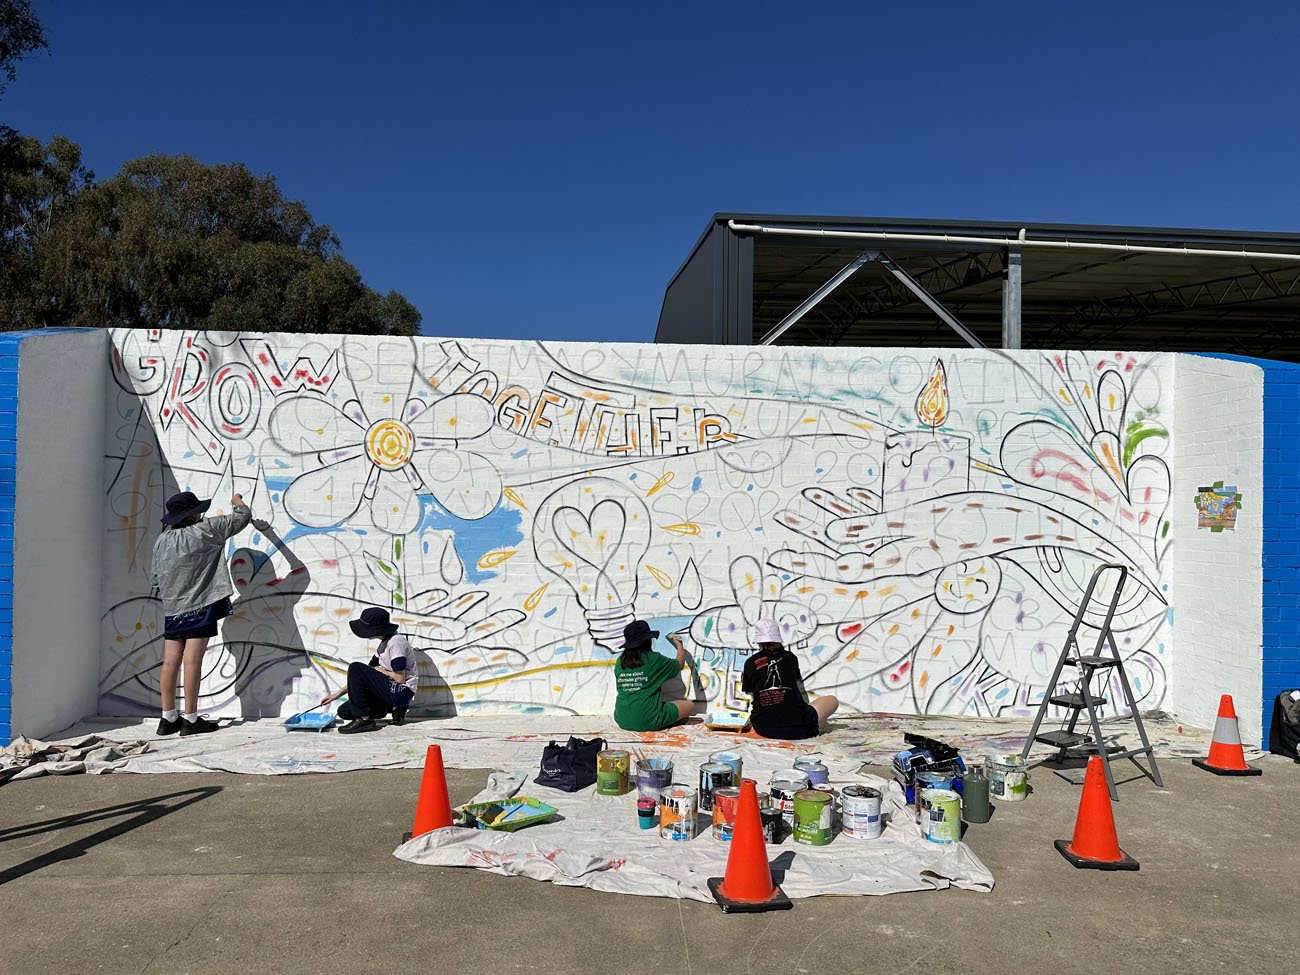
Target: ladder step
{"points": [[1063, 739], [1092, 661], [1074, 700]]}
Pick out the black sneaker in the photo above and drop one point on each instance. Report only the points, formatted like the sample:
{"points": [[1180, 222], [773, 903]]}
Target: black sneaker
{"points": [[166, 727], [399, 716], [200, 726], [358, 724]]}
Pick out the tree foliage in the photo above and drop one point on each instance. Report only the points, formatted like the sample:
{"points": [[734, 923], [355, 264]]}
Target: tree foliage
{"points": [[171, 242], [20, 34]]}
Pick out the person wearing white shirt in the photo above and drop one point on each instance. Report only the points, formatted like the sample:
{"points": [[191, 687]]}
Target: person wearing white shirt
{"points": [[387, 683]]}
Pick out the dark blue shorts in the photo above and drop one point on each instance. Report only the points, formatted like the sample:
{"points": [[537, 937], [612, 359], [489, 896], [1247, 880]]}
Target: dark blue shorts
{"points": [[196, 624]]}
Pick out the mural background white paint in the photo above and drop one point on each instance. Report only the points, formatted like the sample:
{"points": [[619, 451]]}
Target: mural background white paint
{"points": [[1218, 576], [921, 522]]}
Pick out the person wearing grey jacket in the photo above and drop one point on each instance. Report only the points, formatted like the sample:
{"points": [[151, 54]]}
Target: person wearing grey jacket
{"points": [[189, 572]]}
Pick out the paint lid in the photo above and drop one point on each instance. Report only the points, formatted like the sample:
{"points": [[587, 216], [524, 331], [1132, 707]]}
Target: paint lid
{"points": [[860, 792], [716, 768], [726, 792], [727, 758], [677, 793], [814, 795], [789, 780], [1005, 761], [824, 787], [804, 760]]}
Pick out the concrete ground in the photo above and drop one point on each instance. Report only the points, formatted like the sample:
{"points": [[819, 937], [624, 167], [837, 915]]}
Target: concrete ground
{"points": [[223, 873]]}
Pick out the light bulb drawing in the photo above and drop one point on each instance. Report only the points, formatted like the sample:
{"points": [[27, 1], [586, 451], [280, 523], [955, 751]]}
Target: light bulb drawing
{"points": [[592, 534]]}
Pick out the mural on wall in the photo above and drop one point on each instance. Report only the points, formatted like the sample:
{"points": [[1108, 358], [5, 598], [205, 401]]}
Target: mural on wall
{"points": [[1217, 507], [922, 528]]}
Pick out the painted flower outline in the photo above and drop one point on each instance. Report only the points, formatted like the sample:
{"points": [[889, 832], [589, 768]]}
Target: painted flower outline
{"points": [[385, 446]]}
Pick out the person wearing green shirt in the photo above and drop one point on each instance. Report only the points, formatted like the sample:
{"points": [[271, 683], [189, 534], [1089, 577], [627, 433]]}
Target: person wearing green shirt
{"points": [[639, 676]]}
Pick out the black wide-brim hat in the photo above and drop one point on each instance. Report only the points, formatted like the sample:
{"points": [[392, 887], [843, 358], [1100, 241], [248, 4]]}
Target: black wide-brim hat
{"points": [[182, 506], [637, 632], [373, 622]]}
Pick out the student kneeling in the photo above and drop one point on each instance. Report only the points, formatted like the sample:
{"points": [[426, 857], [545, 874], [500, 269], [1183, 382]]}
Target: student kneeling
{"points": [[639, 677], [387, 683], [771, 677]]}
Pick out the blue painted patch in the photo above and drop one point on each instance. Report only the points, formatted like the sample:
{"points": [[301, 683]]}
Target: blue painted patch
{"points": [[473, 539], [561, 650], [550, 612], [519, 453], [695, 484]]}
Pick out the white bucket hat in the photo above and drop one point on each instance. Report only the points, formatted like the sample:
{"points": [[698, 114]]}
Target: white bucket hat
{"points": [[767, 631]]}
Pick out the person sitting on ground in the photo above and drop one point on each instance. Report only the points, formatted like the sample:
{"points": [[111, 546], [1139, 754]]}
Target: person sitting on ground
{"points": [[387, 683], [780, 705], [189, 572], [639, 676]]}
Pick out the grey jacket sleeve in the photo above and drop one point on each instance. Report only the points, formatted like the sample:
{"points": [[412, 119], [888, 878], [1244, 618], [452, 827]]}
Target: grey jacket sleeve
{"points": [[232, 524]]}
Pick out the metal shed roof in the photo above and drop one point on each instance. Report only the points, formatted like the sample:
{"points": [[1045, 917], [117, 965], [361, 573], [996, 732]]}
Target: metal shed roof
{"points": [[1146, 288]]}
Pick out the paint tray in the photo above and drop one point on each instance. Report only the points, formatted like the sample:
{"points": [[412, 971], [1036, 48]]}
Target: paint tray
{"points": [[507, 815], [309, 721], [726, 721]]}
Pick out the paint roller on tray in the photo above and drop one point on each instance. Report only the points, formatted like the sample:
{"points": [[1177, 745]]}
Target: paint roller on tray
{"points": [[307, 721]]}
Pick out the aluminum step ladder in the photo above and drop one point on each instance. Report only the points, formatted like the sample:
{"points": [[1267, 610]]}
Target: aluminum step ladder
{"points": [[1084, 699]]}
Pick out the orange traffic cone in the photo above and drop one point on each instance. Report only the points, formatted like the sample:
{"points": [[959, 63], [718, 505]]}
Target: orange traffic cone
{"points": [[433, 807], [747, 888], [1226, 756], [1095, 844]]}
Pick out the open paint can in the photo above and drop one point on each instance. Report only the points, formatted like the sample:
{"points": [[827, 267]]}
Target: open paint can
{"points": [[653, 775], [941, 815], [784, 785], [774, 829], [813, 767], [713, 775], [1008, 777], [612, 772], [726, 800], [678, 809], [734, 760], [813, 817]]}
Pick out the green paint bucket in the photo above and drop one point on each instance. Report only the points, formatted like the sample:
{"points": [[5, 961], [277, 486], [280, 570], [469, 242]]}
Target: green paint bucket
{"points": [[611, 772], [812, 817]]}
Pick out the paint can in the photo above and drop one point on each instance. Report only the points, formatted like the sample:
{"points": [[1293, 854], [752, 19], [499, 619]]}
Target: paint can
{"points": [[813, 767], [975, 796], [611, 772], [653, 775], [829, 789], [941, 815], [647, 813], [734, 760], [773, 822], [1008, 777], [812, 817], [785, 784], [860, 810], [930, 779], [713, 775], [677, 813], [726, 800]]}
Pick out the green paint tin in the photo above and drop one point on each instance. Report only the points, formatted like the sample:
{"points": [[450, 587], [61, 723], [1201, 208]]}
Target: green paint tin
{"points": [[813, 814]]}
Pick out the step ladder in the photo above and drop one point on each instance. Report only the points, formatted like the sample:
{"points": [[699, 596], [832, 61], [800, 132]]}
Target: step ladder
{"points": [[1085, 699]]}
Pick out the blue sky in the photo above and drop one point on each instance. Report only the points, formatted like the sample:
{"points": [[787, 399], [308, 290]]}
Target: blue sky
{"points": [[541, 170]]}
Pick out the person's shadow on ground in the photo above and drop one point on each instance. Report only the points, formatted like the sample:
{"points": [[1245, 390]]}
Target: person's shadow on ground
{"points": [[265, 649]]}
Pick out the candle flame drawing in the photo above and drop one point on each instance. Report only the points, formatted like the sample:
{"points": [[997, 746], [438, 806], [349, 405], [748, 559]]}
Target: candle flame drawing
{"points": [[932, 401]]}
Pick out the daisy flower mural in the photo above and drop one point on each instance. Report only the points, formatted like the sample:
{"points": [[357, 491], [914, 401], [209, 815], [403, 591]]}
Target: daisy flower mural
{"points": [[385, 446]]}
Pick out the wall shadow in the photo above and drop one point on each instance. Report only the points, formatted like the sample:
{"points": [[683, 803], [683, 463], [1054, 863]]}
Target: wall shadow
{"points": [[265, 652], [435, 698], [128, 816]]}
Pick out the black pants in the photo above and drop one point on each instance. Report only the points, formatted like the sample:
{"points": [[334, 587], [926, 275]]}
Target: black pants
{"points": [[369, 693]]}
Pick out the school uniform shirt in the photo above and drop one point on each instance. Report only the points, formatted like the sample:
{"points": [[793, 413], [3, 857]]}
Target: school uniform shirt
{"points": [[395, 654], [189, 565], [637, 704], [779, 710]]}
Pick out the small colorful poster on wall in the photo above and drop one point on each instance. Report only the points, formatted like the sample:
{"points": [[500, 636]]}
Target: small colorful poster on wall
{"points": [[1217, 506]]}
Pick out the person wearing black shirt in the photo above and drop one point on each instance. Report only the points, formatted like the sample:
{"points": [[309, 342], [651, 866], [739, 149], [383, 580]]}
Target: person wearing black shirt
{"points": [[771, 677]]}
